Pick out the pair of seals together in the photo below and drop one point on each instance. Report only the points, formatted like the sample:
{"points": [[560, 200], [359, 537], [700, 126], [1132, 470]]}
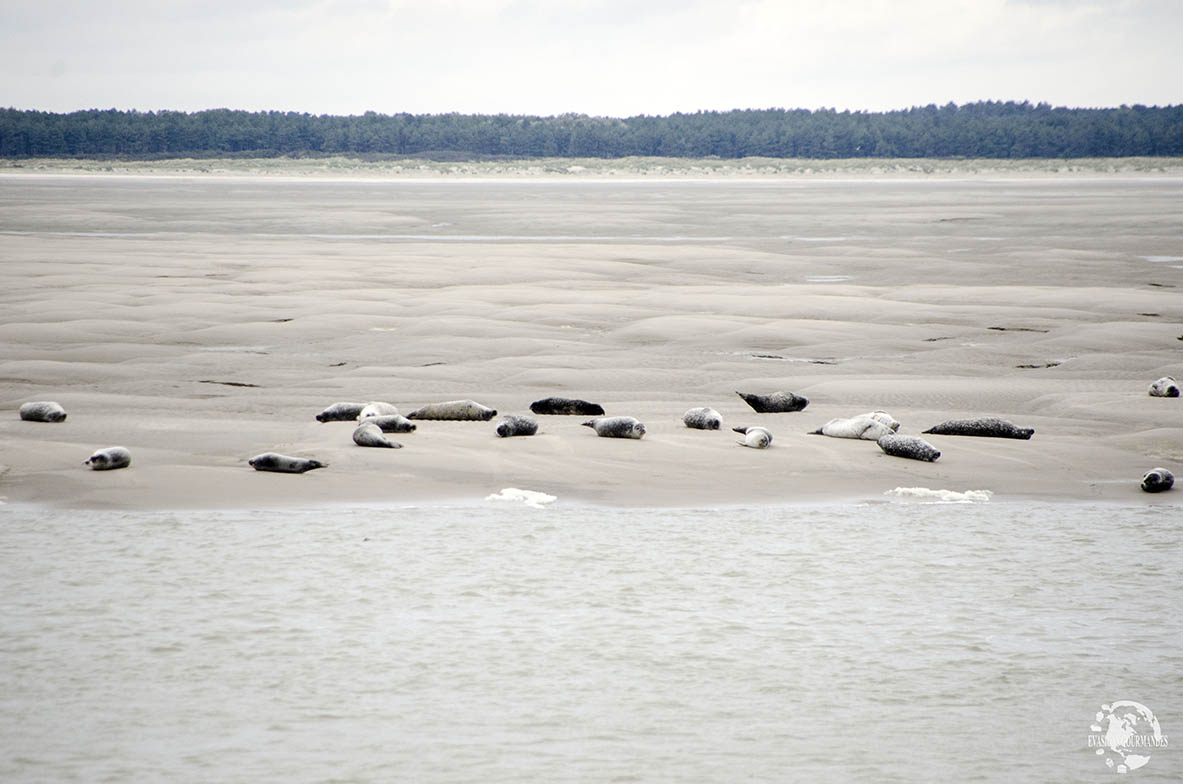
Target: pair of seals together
{"points": [[869, 427], [1164, 387], [462, 410]]}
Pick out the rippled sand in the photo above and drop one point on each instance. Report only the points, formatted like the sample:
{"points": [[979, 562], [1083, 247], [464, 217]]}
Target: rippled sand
{"points": [[200, 320]]}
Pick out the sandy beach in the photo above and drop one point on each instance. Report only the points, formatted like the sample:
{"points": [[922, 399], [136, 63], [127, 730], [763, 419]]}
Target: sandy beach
{"points": [[202, 318]]}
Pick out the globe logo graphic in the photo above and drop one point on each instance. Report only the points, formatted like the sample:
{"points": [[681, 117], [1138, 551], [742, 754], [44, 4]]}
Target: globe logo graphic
{"points": [[1125, 732]]}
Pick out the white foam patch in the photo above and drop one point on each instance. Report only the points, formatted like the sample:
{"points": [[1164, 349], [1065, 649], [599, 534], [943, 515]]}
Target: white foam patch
{"points": [[1161, 259], [942, 496], [828, 278], [528, 497]]}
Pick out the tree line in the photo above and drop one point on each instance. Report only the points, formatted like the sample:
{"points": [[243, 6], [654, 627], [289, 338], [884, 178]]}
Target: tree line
{"points": [[988, 129]]}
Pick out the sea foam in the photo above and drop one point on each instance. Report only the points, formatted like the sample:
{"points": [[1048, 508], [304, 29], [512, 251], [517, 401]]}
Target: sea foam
{"points": [[528, 497], [942, 496]]}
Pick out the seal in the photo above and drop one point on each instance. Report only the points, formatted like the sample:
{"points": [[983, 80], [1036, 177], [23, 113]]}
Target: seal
{"points": [[987, 427], [616, 427], [369, 434], [341, 412], [1158, 480], [392, 423], [566, 405], [376, 409], [109, 458], [864, 426], [270, 461], [908, 446], [511, 425], [755, 437], [464, 410], [702, 419], [43, 411], [1164, 387], [776, 403]]}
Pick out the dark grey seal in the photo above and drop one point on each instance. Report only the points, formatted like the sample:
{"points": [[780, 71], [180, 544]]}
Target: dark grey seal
{"points": [[988, 427], [341, 412], [466, 410], [512, 425], [776, 403], [368, 434], [616, 427], [566, 405], [109, 458], [910, 447], [270, 461], [1158, 480], [755, 437], [43, 411], [392, 423], [1164, 387], [703, 419]]}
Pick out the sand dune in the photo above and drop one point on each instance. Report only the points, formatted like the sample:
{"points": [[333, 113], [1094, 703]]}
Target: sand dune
{"points": [[201, 320]]}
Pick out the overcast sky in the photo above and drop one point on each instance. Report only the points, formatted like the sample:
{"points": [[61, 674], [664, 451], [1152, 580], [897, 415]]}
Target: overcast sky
{"points": [[598, 57]]}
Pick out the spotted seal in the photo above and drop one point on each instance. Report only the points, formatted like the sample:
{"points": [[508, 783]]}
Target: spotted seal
{"points": [[776, 403], [341, 412], [43, 411], [270, 461], [566, 405], [908, 446], [376, 409], [755, 437], [392, 423], [1164, 387], [465, 410], [109, 458], [1158, 480], [368, 434], [512, 425], [616, 427], [703, 418], [987, 427], [865, 426]]}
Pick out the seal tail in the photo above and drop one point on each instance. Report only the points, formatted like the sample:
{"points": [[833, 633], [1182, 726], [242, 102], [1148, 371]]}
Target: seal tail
{"points": [[741, 429], [589, 423], [817, 432]]}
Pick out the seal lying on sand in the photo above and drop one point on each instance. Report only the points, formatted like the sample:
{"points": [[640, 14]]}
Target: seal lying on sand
{"points": [[1157, 480], [908, 446], [466, 410], [702, 419], [989, 427], [377, 409], [755, 437], [566, 405], [43, 411], [341, 412], [111, 457], [868, 427], [391, 423], [616, 427], [776, 403], [270, 461], [1164, 387], [511, 425], [369, 434]]}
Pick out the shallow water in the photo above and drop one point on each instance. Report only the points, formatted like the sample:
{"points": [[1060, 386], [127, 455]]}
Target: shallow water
{"points": [[886, 642]]}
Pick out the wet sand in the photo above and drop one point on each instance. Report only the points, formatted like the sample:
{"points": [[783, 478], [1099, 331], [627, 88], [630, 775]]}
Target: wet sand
{"points": [[199, 320]]}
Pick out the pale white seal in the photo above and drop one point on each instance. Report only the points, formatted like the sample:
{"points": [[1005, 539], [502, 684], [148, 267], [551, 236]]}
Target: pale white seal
{"points": [[376, 409], [369, 434], [703, 418], [43, 411], [271, 461], [864, 426], [755, 437], [467, 410], [1164, 387], [109, 458], [616, 427]]}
